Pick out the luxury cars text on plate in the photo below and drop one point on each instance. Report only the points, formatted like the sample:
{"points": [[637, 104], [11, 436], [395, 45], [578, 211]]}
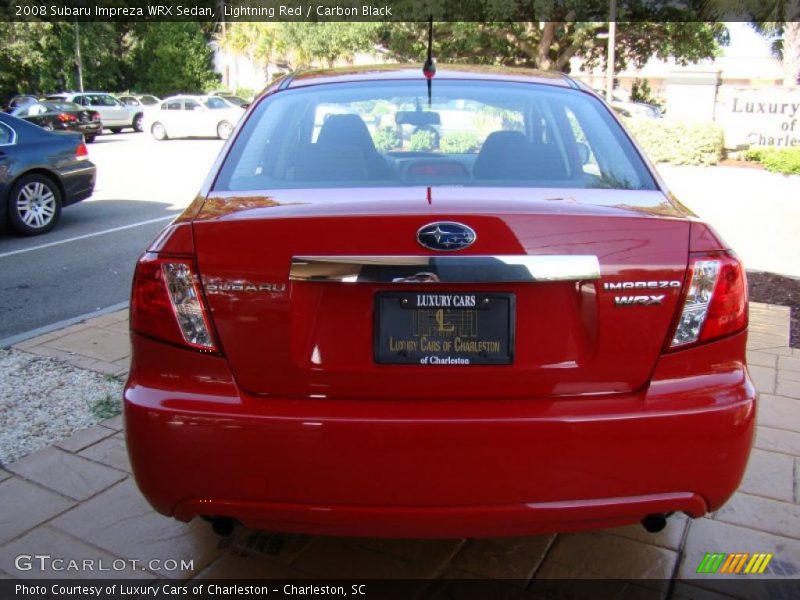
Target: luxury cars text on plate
{"points": [[465, 306]]}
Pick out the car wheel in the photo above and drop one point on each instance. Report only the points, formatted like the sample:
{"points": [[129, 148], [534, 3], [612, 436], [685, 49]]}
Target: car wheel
{"points": [[137, 123], [89, 139], [224, 130], [115, 129], [159, 131], [47, 127], [34, 205]]}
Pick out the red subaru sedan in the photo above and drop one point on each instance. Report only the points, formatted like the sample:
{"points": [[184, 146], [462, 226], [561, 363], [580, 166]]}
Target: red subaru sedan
{"points": [[463, 307]]}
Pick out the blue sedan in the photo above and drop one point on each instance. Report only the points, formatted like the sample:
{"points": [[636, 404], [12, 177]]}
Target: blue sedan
{"points": [[40, 172]]}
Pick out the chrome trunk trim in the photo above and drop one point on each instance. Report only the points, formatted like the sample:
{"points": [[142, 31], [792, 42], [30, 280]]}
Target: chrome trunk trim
{"points": [[445, 269]]}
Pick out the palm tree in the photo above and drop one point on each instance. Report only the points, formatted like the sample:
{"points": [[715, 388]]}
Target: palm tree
{"points": [[775, 19]]}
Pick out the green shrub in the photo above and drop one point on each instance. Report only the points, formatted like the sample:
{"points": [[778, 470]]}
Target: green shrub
{"points": [[460, 142], [386, 139], [422, 141], [678, 142], [777, 160]]}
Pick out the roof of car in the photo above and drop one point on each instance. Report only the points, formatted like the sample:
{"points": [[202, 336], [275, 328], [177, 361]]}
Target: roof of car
{"points": [[414, 71]]}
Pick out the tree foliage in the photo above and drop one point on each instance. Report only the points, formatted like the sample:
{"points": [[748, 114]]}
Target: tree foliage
{"points": [[299, 44], [172, 57], [551, 45], [40, 57]]}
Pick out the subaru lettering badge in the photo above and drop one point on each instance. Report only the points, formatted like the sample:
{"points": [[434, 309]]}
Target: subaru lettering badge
{"points": [[446, 235]]}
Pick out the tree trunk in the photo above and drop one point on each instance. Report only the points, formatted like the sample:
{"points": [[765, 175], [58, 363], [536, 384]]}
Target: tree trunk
{"points": [[791, 44]]}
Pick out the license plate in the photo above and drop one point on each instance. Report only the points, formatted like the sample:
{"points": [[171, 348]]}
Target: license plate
{"points": [[444, 328]]}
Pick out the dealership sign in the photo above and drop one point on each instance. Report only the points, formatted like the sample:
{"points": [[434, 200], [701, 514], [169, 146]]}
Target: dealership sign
{"points": [[760, 116]]}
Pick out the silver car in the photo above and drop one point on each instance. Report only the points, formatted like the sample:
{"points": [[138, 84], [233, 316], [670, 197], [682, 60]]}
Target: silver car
{"points": [[115, 115]]}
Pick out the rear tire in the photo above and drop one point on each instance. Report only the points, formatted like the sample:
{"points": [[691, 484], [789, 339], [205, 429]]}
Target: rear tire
{"points": [[34, 205], [224, 130], [159, 131], [137, 123], [89, 139]]}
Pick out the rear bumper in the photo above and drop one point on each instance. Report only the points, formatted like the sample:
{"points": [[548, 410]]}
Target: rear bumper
{"points": [[78, 181], [430, 468]]}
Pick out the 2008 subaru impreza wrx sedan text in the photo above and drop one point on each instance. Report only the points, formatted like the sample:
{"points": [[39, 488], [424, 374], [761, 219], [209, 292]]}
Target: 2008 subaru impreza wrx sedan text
{"points": [[464, 306]]}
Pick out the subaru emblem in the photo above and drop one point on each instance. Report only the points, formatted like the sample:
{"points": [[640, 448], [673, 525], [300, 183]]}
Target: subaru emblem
{"points": [[445, 235]]}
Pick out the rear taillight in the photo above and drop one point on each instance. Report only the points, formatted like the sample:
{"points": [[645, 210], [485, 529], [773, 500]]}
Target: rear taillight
{"points": [[167, 304], [66, 118], [714, 300], [81, 151]]}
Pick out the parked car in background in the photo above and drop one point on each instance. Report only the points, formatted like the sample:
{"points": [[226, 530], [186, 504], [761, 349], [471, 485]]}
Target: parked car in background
{"points": [[143, 100], [525, 335], [62, 116], [235, 100], [40, 173], [640, 110], [114, 114], [193, 116], [20, 100]]}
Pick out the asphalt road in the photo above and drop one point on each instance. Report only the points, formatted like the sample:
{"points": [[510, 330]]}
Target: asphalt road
{"points": [[86, 263]]}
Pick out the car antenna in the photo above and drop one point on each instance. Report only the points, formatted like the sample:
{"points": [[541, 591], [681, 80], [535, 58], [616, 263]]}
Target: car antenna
{"points": [[429, 69]]}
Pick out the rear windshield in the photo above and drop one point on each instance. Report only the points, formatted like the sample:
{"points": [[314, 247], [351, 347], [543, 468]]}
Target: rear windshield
{"points": [[379, 134]]}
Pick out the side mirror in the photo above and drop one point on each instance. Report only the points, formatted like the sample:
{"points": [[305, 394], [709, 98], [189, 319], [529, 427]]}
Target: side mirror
{"points": [[584, 153]]}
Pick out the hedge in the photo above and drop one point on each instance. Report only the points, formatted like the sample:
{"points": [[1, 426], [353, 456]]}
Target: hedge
{"points": [[678, 142], [777, 160]]}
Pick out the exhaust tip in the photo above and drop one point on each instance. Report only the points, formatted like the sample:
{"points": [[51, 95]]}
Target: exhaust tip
{"points": [[654, 523], [223, 526]]}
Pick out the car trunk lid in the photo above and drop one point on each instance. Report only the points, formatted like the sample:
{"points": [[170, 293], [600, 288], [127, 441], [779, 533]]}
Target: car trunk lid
{"points": [[302, 337]]}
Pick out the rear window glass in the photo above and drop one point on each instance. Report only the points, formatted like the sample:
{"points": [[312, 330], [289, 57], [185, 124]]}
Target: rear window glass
{"points": [[215, 103], [466, 133]]}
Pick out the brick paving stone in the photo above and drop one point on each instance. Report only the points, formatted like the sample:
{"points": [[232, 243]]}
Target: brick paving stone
{"points": [[781, 350], [121, 521], [109, 319], [602, 556], [779, 412], [24, 505], [435, 553], [778, 440], [111, 369], [763, 514], [797, 480], [768, 342], [762, 359], [84, 438], [788, 376], [670, 537], [786, 387], [111, 451], [59, 545], [113, 423], [769, 474], [277, 547], [789, 363], [66, 473], [503, 558], [338, 558], [764, 378], [93, 342]]}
